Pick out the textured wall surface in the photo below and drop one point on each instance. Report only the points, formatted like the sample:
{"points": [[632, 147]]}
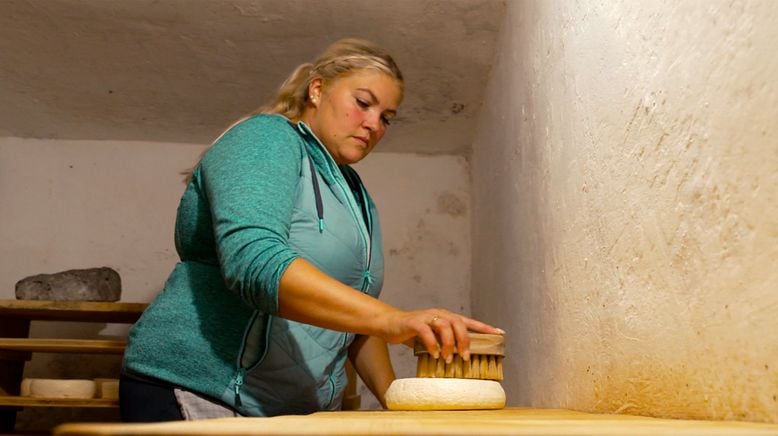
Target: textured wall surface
{"points": [[625, 207], [78, 204], [82, 204]]}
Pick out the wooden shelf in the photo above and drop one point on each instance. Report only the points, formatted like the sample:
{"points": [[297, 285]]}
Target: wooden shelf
{"points": [[84, 311], [86, 346], [16, 347], [56, 402]]}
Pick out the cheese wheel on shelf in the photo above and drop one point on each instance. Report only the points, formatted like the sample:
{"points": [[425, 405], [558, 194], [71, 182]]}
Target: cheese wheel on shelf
{"points": [[444, 394], [56, 388], [107, 388]]}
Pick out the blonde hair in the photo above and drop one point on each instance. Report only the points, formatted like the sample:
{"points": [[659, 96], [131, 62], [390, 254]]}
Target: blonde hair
{"points": [[341, 58]]}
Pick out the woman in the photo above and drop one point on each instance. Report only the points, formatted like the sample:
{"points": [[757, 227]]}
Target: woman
{"points": [[281, 262]]}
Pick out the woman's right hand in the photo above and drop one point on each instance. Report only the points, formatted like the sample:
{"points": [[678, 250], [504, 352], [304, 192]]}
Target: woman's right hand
{"points": [[305, 294], [441, 331]]}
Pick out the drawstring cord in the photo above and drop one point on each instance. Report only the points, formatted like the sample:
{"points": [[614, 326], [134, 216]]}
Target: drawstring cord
{"points": [[317, 195]]}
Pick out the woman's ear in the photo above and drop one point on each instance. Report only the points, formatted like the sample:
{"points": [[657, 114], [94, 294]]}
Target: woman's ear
{"points": [[314, 91]]}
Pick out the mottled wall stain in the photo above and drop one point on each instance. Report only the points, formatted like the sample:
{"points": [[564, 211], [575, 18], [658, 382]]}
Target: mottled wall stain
{"points": [[450, 203], [425, 237]]}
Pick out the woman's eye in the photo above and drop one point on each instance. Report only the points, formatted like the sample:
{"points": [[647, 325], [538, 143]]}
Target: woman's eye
{"points": [[385, 121], [362, 103]]}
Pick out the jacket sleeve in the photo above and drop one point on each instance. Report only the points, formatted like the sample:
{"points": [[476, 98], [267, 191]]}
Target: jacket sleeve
{"points": [[250, 178]]}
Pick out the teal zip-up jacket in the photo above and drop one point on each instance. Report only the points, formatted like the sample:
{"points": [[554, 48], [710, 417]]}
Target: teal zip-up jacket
{"points": [[266, 193]]}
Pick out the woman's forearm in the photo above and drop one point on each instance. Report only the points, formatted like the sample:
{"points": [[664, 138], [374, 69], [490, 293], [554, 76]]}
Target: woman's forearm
{"points": [[370, 357], [306, 294]]}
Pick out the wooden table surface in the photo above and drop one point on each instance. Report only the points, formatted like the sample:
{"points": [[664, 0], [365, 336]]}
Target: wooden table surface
{"points": [[513, 421]]}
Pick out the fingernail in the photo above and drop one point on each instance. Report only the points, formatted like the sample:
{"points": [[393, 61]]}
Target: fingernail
{"points": [[449, 358], [466, 356], [436, 355], [500, 331]]}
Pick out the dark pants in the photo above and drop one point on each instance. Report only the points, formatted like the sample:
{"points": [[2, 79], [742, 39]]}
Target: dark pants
{"points": [[143, 400]]}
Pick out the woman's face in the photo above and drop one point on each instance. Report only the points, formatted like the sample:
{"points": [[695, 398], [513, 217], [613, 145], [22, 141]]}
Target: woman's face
{"points": [[351, 114]]}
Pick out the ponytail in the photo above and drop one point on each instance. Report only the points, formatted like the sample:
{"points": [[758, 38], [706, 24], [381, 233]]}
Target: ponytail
{"points": [[341, 58], [291, 96]]}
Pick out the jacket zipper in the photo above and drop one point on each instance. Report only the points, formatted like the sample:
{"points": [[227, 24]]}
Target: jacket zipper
{"points": [[241, 373], [352, 206], [363, 231], [238, 384], [332, 391], [366, 279]]}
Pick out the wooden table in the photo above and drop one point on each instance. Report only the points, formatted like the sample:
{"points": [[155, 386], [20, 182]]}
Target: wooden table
{"points": [[512, 421]]}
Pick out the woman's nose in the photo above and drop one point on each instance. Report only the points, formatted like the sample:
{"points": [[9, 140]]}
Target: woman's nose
{"points": [[372, 122]]}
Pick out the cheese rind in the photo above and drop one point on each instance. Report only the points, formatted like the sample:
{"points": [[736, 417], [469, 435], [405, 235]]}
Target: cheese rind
{"points": [[444, 394]]}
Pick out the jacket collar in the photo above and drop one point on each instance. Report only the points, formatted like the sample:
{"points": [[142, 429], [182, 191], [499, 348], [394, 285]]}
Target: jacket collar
{"points": [[324, 162]]}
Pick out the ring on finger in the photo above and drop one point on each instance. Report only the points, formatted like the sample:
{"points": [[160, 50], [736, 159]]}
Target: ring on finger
{"points": [[434, 318]]}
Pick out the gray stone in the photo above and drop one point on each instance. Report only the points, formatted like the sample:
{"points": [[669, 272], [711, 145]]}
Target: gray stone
{"points": [[94, 284]]}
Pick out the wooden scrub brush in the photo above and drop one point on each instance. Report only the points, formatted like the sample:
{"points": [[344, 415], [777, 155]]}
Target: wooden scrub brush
{"points": [[486, 354]]}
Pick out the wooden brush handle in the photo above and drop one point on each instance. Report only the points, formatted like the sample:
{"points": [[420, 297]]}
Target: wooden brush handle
{"points": [[480, 343]]}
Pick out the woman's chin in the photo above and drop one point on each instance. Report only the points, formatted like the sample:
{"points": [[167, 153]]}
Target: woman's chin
{"points": [[352, 158]]}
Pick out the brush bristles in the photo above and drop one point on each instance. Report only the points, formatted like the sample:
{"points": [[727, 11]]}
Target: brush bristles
{"points": [[480, 366]]}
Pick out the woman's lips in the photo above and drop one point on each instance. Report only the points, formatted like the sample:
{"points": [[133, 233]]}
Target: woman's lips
{"points": [[364, 141]]}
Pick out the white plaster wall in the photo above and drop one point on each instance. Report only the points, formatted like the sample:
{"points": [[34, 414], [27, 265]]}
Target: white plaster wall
{"points": [[82, 204], [625, 197]]}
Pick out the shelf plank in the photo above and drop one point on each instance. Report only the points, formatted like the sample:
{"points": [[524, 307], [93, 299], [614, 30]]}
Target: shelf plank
{"points": [[85, 311], [87, 346], [16, 401]]}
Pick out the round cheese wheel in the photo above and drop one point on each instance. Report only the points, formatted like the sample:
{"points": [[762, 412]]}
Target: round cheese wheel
{"points": [[53, 388], [444, 394], [107, 388]]}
